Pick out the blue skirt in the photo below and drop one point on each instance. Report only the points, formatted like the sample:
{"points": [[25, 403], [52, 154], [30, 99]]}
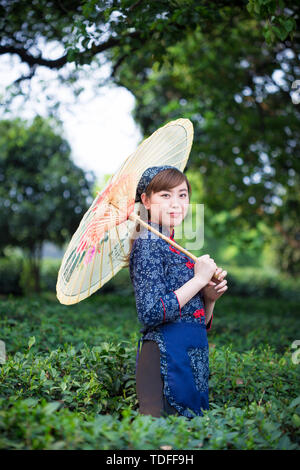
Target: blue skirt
{"points": [[184, 358]]}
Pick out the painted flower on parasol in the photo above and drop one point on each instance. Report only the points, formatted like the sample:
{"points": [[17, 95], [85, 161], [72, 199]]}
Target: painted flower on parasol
{"points": [[109, 212]]}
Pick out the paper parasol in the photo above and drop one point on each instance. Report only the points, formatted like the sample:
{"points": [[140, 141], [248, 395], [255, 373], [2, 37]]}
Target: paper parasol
{"points": [[93, 255]]}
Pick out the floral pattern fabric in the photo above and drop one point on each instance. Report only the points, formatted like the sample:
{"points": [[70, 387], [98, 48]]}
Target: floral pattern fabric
{"points": [[199, 363], [156, 270]]}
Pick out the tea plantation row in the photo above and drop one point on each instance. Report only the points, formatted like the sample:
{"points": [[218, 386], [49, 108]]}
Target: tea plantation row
{"points": [[69, 377]]}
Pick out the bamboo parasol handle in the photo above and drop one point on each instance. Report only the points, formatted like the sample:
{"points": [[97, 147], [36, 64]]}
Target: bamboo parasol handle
{"points": [[135, 217]]}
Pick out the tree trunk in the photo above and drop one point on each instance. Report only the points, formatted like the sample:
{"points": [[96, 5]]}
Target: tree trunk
{"points": [[35, 266], [289, 249]]}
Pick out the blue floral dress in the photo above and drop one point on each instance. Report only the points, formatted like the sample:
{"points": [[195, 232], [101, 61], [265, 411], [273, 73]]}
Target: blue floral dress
{"points": [[157, 269]]}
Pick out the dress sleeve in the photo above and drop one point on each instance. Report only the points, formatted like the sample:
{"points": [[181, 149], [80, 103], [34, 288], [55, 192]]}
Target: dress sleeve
{"points": [[208, 326], [155, 303]]}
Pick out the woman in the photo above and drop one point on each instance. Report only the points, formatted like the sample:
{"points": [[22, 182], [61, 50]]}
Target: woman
{"points": [[174, 299]]}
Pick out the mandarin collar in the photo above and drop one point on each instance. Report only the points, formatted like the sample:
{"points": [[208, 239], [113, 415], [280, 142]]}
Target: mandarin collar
{"points": [[162, 229]]}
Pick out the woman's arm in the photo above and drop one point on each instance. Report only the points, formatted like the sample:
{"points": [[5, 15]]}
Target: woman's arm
{"points": [[155, 302], [203, 271], [209, 308], [189, 289], [212, 292]]}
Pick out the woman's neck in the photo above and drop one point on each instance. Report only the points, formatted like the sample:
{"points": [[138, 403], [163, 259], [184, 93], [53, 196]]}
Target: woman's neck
{"points": [[166, 228]]}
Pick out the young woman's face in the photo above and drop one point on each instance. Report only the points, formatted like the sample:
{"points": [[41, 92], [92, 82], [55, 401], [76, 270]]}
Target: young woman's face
{"points": [[168, 207]]}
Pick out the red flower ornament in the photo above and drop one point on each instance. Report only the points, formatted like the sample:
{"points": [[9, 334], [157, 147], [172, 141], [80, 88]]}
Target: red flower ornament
{"points": [[189, 264], [199, 313]]}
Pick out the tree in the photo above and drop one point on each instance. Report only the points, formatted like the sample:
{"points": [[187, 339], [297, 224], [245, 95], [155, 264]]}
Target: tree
{"points": [[246, 124], [43, 194], [84, 31], [212, 61]]}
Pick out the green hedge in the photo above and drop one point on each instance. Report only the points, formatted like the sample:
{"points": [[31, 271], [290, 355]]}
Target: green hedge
{"points": [[28, 425], [262, 283], [14, 277], [69, 378], [10, 276], [242, 281]]}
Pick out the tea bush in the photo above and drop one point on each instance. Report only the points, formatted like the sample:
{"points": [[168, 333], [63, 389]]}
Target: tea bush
{"points": [[243, 281], [10, 275], [69, 378]]}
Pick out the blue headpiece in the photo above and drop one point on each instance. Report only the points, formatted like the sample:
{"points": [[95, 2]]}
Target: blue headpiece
{"points": [[146, 177]]}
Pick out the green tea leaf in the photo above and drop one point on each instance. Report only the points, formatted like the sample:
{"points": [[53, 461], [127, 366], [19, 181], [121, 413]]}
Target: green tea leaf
{"points": [[31, 341], [295, 402], [51, 407]]}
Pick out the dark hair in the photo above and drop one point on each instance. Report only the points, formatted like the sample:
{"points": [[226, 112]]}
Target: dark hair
{"points": [[164, 180]]}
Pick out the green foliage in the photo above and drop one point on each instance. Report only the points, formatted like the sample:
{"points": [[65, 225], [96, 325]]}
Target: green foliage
{"points": [[244, 153], [10, 275], [29, 425], [261, 283], [86, 28], [279, 24], [216, 64], [43, 194], [242, 280], [68, 381], [89, 380]]}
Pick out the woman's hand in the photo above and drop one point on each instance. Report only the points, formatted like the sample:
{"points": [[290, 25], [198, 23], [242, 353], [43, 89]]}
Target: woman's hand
{"points": [[204, 269], [213, 290]]}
